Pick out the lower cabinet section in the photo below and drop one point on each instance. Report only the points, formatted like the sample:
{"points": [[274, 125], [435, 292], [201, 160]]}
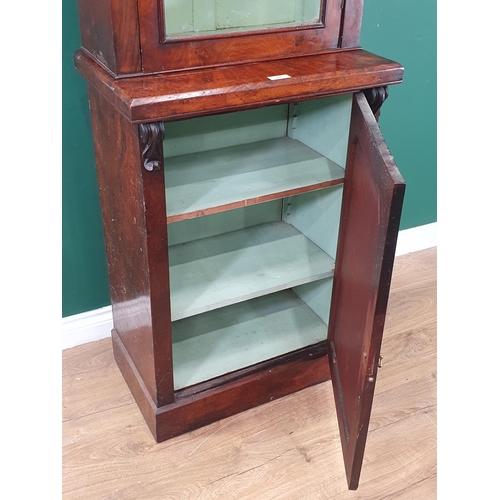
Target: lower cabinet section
{"points": [[224, 396], [277, 268]]}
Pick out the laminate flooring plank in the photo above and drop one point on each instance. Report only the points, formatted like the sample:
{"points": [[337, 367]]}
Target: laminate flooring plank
{"points": [[415, 267], [399, 402], [398, 456], [88, 357], [425, 489], [411, 308], [287, 449], [91, 381], [408, 356], [94, 392]]}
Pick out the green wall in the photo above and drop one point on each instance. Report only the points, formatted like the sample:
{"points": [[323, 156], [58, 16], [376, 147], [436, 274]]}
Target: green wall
{"points": [[402, 30], [84, 274], [405, 31]]}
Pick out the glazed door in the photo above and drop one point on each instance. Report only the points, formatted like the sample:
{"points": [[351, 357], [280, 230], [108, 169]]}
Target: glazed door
{"points": [[371, 209], [186, 34]]}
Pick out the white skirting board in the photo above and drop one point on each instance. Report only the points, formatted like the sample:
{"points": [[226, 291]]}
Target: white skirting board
{"points": [[97, 324], [86, 327], [417, 238]]}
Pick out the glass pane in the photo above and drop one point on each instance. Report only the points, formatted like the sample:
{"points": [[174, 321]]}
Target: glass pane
{"points": [[202, 17]]}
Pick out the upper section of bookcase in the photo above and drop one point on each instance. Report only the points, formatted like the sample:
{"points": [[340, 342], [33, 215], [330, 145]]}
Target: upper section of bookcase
{"points": [[139, 37]]}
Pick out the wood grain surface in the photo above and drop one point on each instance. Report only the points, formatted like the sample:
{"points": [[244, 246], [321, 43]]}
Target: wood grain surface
{"points": [[286, 449], [185, 94]]}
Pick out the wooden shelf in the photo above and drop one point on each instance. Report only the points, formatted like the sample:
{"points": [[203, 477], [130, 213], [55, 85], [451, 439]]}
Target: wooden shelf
{"points": [[225, 340], [218, 271], [214, 181]]}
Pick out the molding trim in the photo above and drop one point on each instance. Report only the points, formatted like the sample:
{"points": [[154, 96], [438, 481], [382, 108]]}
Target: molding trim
{"points": [[97, 324]]}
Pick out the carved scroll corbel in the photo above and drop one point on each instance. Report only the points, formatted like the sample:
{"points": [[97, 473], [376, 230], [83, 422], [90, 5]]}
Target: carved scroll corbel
{"points": [[376, 97], [151, 137]]}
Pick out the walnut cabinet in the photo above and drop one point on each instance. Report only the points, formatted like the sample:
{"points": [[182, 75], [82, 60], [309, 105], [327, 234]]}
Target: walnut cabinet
{"points": [[250, 204]]}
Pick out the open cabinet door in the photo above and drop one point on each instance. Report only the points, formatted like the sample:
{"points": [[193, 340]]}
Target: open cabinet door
{"points": [[371, 210]]}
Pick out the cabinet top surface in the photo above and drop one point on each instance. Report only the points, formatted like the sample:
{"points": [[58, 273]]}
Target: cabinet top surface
{"points": [[189, 93]]}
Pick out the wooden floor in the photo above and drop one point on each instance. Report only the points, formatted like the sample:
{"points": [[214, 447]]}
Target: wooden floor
{"points": [[287, 449]]}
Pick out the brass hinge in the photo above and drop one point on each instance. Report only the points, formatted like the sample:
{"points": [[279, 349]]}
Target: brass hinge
{"points": [[380, 358]]}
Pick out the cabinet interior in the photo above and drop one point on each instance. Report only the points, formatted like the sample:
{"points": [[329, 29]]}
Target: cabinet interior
{"points": [[253, 210], [227, 16]]}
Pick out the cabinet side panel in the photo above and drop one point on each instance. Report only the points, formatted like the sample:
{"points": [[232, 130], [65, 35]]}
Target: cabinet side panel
{"points": [[96, 29], [124, 216], [110, 32], [318, 296], [317, 216], [155, 210], [126, 36], [351, 28], [323, 125]]}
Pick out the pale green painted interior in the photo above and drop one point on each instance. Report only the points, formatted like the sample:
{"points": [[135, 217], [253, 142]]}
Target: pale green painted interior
{"points": [[235, 158], [241, 175], [192, 17], [321, 125], [232, 267], [283, 250], [402, 30], [244, 334], [254, 297], [232, 220], [222, 131]]}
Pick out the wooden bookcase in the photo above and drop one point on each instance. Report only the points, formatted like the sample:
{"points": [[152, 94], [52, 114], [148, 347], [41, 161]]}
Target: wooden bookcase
{"points": [[250, 205]]}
